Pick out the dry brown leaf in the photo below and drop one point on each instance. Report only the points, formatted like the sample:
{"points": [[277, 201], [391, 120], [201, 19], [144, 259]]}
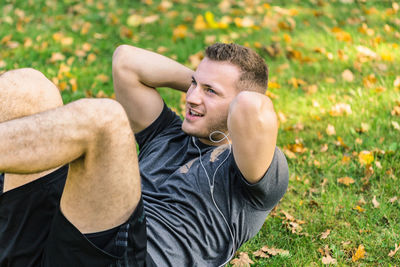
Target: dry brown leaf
{"points": [[346, 180], [325, 234], [328, 260], [347, 75], [242, 261], [261, 254], [275, 251], [340, 109], [330, 130], [375, 203], [393, 252], [359, 254], [56, 56]]}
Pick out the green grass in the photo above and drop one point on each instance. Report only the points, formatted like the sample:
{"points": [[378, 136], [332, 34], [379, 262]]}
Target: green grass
{"points": [[314, 196]]}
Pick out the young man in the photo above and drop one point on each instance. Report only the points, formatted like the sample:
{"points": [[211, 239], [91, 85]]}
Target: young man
{"points": [[202, 199], [208, 182]]}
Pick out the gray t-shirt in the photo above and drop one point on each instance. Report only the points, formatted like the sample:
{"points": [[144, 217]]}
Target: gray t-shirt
{"points": [[184, 225]]}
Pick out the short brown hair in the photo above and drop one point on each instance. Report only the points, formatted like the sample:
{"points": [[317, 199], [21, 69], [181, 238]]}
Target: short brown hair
{"points": [[254, 70]]}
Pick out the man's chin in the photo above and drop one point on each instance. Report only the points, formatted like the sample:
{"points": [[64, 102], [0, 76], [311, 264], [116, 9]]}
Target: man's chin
{"points": [[191, 131]]}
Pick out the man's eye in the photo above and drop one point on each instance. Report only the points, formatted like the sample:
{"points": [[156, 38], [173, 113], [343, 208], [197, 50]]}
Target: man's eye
{"points": [[209, 90]]}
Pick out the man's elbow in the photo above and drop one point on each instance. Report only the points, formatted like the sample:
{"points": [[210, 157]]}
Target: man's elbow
{"points": [[120, 57], [254, 109]]}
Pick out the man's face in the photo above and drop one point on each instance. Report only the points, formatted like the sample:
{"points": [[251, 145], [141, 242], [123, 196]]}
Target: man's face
{"points": [[208, 98]]}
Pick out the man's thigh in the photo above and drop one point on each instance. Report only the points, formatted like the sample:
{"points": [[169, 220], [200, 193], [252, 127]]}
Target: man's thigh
{"points": [[67, 246]]}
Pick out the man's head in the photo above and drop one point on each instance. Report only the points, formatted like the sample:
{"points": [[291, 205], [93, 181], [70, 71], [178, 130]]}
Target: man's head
{"points": [[253, 70], [226, 70]]}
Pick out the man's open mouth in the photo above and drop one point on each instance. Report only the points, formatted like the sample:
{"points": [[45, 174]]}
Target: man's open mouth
{"points": [[194, 113]]}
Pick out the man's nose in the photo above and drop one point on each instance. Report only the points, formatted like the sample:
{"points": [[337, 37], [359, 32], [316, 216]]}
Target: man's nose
{"points": [[193, 96]]}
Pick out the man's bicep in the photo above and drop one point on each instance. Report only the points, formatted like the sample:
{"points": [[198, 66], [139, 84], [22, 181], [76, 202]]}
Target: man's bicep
{"points": [[252, 125]]}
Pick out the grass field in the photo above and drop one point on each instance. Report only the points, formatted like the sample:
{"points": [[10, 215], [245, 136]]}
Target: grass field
{"points": [[334, 79]]}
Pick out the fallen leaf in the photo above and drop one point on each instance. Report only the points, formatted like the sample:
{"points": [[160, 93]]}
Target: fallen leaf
{"points": [[396, 82], [392, 252], [328, 260], [325, 234], [56, 56], [365, 157], [179, 32], [330, 130], [340, 109], [375, 203], [359, 209], [242, 261], [359, 254], [346, 180], [261, 254], [348, 76], [396, 125], [102, 78], [275, 251]]}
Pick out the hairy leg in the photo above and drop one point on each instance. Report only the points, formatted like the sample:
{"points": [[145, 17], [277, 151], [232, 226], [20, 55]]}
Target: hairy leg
{"points": [[25, 92], [94, 136]]}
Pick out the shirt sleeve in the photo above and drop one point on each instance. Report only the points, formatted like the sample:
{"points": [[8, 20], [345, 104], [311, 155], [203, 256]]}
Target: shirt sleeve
{"points": [[266, 193], [165, 120]]}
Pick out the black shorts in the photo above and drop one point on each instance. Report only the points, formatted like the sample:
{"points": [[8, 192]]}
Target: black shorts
{"points": [[34, 232]]}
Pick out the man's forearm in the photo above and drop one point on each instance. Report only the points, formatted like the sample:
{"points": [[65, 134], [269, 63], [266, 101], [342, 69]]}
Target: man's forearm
{"points": [[151, 69]]}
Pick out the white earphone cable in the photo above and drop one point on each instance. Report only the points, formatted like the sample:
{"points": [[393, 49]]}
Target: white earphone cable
{"points": [[211, 184]]}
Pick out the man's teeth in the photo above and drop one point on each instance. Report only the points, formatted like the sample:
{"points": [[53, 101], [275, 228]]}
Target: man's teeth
{"points": [[195, 113]]}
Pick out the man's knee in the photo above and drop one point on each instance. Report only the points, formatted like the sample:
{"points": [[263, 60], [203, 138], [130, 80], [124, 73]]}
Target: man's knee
{"points": [[105, 117], [25, 92]]}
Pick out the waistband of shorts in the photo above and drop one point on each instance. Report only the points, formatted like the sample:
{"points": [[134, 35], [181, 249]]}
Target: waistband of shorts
{"points": [[37, 184]]}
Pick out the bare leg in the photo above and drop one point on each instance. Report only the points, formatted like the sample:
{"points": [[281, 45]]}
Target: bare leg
{"points": [[25, 92], [94, 135]]}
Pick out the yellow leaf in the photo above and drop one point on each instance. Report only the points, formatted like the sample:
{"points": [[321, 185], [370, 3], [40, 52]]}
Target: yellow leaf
{"points": [[91, 57], [359, 254], [345, 159], [209, 16], [346, 180], [73, 84], [387, 56], [85, 28], [365, 157], [199, 23], [274, 85], [134, 20], [359, 209], [179, 32], [102, 78], [369, 80]]}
